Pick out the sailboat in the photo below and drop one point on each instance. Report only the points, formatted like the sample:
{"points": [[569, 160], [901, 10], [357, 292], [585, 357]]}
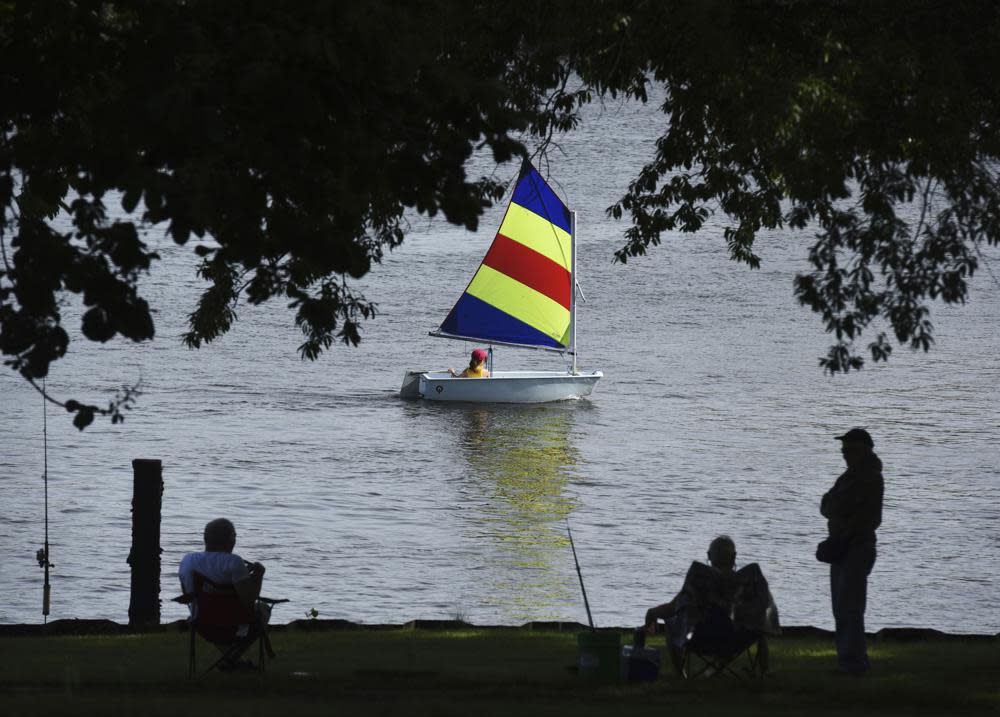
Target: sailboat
{"points": [[523, 295]]}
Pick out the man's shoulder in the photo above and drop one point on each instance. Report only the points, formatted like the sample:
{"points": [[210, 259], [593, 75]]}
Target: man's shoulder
{"points": [[190, 560], [870, 476], [860, 476], [210, 560], [870, 468]]}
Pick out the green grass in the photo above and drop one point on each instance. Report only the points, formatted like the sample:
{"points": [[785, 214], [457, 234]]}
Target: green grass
{"points": [[473, 672]]}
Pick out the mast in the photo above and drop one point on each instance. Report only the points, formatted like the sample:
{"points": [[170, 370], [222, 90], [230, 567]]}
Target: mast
{"points": [[572, 294]]}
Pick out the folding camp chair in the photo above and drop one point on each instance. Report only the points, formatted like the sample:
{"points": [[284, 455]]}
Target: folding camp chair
{"points": [[724, 616], [716, 643], [223, 620]]}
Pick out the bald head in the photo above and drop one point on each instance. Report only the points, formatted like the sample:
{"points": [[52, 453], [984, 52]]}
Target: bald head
{"points": [[722, 553], [220, 536]]}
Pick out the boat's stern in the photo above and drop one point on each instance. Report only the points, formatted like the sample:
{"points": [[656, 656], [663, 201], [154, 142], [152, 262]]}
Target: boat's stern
{"points": [[411, 385]]}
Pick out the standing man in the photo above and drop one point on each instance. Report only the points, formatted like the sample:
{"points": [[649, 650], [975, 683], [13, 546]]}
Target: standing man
{"points": [[853, 509]]}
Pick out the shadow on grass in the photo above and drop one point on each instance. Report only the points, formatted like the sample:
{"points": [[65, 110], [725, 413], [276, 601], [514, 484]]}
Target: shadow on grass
{"points": [[469, 671]]}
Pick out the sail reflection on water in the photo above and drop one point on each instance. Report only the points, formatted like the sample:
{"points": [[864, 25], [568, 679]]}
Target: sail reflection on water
{"points": [[521, 460]]}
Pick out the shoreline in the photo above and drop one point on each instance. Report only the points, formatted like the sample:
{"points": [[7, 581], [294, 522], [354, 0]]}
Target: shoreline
{"points": [[84, 626]]}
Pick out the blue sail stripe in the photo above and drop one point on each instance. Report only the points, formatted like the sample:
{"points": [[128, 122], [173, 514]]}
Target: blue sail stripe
{"points": [[533, 193], [475, 318]]}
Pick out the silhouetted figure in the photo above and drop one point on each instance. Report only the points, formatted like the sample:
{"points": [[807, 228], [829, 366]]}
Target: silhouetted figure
{"points": [[477, 366], [739, 596], [853, 508], [221, 566]]}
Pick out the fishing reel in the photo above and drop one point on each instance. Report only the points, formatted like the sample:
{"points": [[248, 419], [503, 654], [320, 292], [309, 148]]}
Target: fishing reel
{"points": [[42, 557]]}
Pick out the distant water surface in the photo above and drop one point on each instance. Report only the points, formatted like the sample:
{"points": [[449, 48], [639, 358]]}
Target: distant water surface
{"points": [[713, 417]]}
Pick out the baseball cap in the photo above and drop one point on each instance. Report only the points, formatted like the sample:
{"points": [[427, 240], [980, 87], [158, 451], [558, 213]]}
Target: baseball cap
{"points": [[858, 435], [479, 355]]}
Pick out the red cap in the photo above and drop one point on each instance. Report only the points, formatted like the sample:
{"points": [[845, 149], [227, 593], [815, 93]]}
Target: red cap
{"points": [[479, 355]]}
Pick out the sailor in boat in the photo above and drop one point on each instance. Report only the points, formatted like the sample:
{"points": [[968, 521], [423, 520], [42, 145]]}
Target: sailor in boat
{"points": [[477, 366]]}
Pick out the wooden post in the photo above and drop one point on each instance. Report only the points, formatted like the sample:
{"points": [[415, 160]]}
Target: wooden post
{"points": [[147, 497]]}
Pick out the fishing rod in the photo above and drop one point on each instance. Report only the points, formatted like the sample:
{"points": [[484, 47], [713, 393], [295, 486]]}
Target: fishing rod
{"points": [[579, 574], [43, 555]]}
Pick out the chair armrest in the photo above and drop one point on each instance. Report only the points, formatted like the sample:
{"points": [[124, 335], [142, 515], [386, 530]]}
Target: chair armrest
{"points": [[272, 601]]}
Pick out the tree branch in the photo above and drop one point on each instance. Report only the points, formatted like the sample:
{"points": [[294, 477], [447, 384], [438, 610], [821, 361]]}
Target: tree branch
{"points": [[85, 413]]}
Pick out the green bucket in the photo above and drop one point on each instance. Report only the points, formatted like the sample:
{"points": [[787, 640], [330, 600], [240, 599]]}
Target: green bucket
{"points": [[599, 655]]}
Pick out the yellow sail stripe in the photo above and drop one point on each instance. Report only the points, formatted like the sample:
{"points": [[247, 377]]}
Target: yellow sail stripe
{"points": [[526, 227], [520, 301]]}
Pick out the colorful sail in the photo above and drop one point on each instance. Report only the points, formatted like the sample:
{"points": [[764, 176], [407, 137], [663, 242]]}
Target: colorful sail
{"points": [[522, 292]]}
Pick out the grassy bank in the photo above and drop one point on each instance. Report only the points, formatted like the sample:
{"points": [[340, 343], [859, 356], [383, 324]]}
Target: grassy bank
{"points": [[479, 672]]}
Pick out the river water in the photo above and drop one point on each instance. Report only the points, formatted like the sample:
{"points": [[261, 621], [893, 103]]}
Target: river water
{"points": [[713, 417]]}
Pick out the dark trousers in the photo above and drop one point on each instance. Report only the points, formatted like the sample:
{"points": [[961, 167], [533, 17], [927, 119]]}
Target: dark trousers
{"points": [[848, 593]]}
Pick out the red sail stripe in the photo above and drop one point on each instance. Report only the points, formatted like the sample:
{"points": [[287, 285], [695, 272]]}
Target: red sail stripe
{"points": [[529, 268]]}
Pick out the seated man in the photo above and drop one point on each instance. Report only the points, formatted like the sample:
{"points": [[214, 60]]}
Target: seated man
{"points": [[221, 566], [741, 596]]}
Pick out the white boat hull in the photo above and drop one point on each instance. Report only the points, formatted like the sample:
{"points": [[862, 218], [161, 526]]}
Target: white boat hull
{"points": [[502, 387]]}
